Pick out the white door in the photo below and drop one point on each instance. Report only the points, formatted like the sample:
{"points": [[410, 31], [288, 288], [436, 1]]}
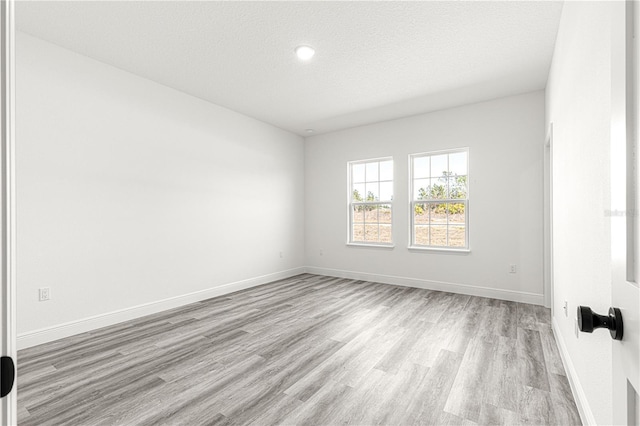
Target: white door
{"points": [[625, 198], [8, 412]]}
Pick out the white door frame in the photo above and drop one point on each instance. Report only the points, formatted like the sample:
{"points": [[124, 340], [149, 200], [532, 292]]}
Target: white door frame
{"points": [[8, 410], [624, 196], [548, 220]]}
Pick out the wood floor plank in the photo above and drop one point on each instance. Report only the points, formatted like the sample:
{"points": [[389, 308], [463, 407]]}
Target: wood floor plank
{"points": [[535, 407], [334, 368], [531, 359], [325, 407], [399, 392], [432, 394], [467, 393], [432, 340], [394, 358], [491, 415], [276, 413], [366, 399], [307, 350], [376, 347], [503, 384], [551, 353], [564, 406], [448, 419], [190, 397], [438, 302], [507, 320], [533, 317]]}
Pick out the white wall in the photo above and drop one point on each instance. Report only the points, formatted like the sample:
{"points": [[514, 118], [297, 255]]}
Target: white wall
{"points": [[130, 192], [579, 106], [505, 139]]}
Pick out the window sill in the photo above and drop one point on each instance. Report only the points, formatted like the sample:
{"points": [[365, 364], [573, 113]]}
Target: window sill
{"points": [[441, 249], [384, 246]]}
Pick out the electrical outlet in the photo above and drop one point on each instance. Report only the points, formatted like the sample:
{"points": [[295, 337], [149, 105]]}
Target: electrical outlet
{"points": [[512, 269], [44, 293], [566, 308]]}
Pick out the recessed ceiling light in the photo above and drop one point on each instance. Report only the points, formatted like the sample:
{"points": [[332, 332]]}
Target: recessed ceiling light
{"points": [[305, 53], [310, 131]]}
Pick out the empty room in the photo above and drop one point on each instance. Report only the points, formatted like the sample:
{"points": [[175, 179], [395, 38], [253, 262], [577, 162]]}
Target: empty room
{"points": [[319, 213]]}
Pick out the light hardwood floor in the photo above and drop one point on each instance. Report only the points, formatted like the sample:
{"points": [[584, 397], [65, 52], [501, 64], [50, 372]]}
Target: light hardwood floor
{"points": [[307, 350]]}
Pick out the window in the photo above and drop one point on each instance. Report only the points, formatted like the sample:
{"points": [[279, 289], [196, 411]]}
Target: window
{"points": [[370, 201], [440, 200]]}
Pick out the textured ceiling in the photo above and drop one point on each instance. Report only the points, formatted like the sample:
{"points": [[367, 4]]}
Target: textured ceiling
{"points": [[374, 60]]}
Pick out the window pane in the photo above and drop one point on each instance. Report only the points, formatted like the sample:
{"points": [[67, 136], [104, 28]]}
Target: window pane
{"points": [[384, 213], [438, 235], [372, 172], [422, 235], [457, 236], [421, 189], [357, 228], [386, 191], [357, 215], [421, 213], [371, 233], [456, 213], [439, 165], [386, 170], [372, 192], [385, 233], [358, 173], [458, 163], [421, 167], [438, 213], [358, 192], [438, 189], [458, 186], [371, 214], [357, 232]]}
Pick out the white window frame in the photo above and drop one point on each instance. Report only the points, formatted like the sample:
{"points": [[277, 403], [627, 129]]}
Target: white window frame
{"points": [[412, 204], [351, 203]]}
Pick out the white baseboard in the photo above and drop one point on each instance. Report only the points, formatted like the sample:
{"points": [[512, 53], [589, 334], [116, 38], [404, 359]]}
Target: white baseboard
{"points": [[49, 334], [59, 331], [511, 295], [586, 415]]}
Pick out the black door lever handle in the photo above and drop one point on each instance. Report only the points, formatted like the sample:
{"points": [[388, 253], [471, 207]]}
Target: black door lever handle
{"points": [[7, 375], [589, 321]]}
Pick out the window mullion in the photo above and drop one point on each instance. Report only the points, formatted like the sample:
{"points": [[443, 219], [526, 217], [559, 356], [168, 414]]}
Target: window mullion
{"points": [[430, 225], [446, 206]]}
